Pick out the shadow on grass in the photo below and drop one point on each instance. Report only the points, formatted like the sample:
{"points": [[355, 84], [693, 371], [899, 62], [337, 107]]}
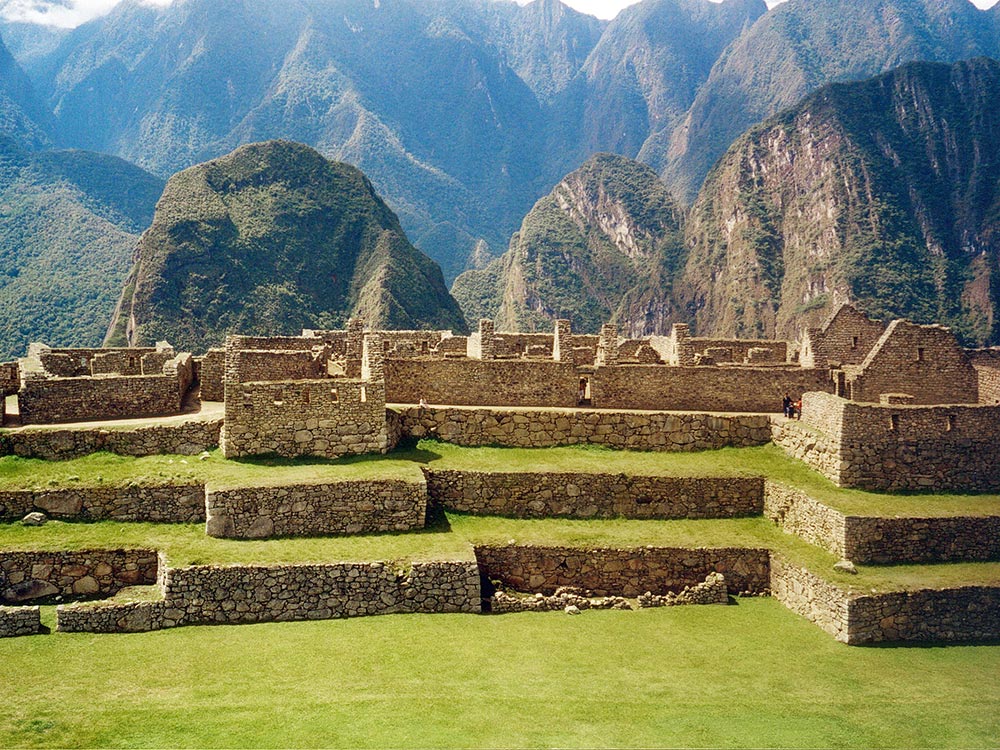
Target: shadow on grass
{"points": [[932, 644], [407, 450]]}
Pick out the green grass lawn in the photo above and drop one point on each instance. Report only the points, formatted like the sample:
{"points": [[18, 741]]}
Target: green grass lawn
{"points": [[770, 461], [749, 675], [108, 468]]}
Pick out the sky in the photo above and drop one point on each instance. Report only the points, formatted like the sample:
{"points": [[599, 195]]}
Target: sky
{"points": [[71, 13]]}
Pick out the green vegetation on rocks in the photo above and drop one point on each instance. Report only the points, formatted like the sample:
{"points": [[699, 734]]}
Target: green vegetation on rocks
{"points": [[604, 245], [271, 239], [883, 192], [69, 221]]}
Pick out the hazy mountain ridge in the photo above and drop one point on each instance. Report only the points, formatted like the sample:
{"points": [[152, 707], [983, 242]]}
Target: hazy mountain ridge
{"points": [[69, 222], [799, 46], [271, 239]]}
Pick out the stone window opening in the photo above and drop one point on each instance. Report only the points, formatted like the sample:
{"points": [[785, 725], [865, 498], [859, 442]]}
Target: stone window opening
{"points": [[894, 422], [920, 354], [334, 395], [842, 384], [424, 347], [305, 396], [247, 399], [951, 423], [279, 398], [364, 394], [583, 397], [131, 361], [385, 346]]}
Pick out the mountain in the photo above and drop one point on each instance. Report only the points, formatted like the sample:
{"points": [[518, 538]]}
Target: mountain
{"points": [[801, 45], [603, 246], [643, 75], [421, 96], [273, 238], [69, 221], [884, 192], [23, 118]]}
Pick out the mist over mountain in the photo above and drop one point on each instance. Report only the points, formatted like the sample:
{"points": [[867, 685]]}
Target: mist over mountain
{"points": [[273, 238]]}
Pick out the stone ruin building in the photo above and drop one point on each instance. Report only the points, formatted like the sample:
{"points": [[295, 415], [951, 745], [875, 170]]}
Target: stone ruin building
{"points": [[885, 407]]}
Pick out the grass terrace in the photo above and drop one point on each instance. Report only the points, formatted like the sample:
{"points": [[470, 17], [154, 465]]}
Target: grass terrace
{"points": [[750, 675], [405, 463]]}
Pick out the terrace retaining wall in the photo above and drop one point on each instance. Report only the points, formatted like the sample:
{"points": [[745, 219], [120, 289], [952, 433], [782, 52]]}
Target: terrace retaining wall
{"points": [[622, 572], [280, 593], [354, 507], [171, 503], [584, 495], [527, 428], [17, 621], [40, 576], [184, 438]]}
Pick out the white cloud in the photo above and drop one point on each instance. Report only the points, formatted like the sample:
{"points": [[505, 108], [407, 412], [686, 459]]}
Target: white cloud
{"points": [[65, 14]]}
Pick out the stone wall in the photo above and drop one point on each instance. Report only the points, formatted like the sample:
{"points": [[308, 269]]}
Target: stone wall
{"points": [[17, 621], [356, 507], [989, 384], [172, 503], [846, 339], [797, 513], [923, 361], [45, 400], [739, 349], [887, 541], [519, 382], [245, 594], [807, 594], [213, 372], [33, 576], [541, 495], [185, 438], [969, 613], [891, 448], [10, 378], [622, 572], [529, 428], [329, 418]]}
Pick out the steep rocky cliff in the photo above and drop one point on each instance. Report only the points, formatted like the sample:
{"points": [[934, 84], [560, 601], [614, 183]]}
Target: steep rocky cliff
{"points": [[884, 192], [603, 245], [270, 239], [799, 46]]}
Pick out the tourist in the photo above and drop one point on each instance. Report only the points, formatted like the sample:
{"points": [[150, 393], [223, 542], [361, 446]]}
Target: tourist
{"points": [[423, 404], [786, 405], [798, 408]]}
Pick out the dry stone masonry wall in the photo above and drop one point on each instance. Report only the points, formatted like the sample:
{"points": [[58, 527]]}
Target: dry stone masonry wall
{"points": [[186, 438], [527, 428], [31, 576], [622, 572], [541, 495], [171, 503], [897, 447], [280, 593], [356, 507], [18, 621]]}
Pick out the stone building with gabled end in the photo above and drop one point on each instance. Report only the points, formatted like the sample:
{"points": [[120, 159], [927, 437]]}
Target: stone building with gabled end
{"points": [[845, 339], [918, 364]]}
